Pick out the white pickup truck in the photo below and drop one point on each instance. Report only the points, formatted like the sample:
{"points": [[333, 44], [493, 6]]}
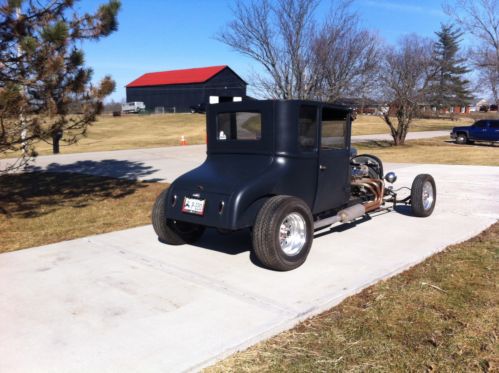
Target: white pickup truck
{"points": [[133, 107]]}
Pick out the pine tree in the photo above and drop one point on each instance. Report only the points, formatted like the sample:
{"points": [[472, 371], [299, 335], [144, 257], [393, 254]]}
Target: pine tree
{"points": [[43, 76], [449, 87]]}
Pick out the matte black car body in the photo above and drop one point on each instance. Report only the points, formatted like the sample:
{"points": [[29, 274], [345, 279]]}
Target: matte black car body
{"points": [[239, 176]]}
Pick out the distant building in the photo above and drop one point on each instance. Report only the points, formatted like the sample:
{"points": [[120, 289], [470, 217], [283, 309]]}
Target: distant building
{"points": [[362, 105], [480, 104], [180, 90]]}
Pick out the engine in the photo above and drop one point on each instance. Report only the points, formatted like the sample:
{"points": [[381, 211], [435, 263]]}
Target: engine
{"points": [[359, 171], [367, 180]]}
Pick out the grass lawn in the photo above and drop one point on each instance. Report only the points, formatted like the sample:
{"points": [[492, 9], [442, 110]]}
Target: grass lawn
{"points": [[147, 131], [435, 150], [442, 315], [42, 208], [370, 124], [136, 131]]}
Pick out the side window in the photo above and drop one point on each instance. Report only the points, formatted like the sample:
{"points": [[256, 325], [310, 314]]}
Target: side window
{"points": [[307, 128], [334, 125], [494, 124], [239, 126], [481, 124]]}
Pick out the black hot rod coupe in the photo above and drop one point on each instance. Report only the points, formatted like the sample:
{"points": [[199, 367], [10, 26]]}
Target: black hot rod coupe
{"points": [[284, 169]]}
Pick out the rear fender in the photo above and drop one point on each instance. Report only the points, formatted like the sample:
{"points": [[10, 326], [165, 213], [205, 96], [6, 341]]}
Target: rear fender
{"points": [[247, 217]]}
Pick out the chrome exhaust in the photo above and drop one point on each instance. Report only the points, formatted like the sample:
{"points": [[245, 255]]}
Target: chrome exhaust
{"points": [[344, 216]]}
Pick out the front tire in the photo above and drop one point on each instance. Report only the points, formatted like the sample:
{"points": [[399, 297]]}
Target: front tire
{"points": [[461, 139], [283, 233], [423, 195], [171, 231]]}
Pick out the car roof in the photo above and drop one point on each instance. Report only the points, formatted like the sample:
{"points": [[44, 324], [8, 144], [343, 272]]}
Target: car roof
{"points": [[290, 102]]}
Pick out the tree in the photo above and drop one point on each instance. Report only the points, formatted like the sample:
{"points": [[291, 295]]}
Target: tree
{"points": [[405, 74], [42, 72], [277, 36], [346, 57], [481, 19], [449, 88], [302, 57]]}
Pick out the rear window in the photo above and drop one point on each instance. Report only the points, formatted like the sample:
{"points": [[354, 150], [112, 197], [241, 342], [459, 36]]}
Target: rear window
{"points": [[239, 126]]}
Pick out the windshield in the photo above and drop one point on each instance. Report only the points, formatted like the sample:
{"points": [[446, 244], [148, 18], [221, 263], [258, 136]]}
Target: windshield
{"points": [[239, 125]]}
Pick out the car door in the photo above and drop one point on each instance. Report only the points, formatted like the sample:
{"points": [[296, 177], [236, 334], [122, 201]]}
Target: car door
{"points": [[333, 184], [479, 130], [494, 130]]}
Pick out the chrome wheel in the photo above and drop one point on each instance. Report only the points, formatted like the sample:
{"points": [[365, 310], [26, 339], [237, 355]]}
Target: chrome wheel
{"points": [[427, 195], [292, 234]]}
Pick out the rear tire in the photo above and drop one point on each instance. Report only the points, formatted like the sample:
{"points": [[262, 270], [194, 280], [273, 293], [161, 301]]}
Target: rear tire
{"points": [[283, 233], [461, 139], [170, 231], [423, 195]]}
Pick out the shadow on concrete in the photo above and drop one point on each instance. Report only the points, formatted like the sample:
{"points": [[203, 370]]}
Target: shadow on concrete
{"points": [[121, 169], [232, 243], [342, 227], [404, 210]]}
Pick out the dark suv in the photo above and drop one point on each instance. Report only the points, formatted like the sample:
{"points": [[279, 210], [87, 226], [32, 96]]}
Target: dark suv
{"points": [[482, 130], [282, 169]]}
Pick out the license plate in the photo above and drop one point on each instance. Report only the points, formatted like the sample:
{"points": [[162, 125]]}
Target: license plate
{"points": [[193, 206]]}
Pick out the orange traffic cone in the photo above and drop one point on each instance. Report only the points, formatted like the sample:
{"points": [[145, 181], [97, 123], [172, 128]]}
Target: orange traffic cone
{"points": [[183, 140]]}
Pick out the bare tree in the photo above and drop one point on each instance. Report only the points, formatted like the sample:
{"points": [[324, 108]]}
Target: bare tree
{"points": [[346, 57], [486, 62], [303, 57], [481, 19], [277, 36], [405, 74]]}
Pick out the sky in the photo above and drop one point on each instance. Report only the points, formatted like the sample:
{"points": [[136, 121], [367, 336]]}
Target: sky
{"points": [[159, 35]]}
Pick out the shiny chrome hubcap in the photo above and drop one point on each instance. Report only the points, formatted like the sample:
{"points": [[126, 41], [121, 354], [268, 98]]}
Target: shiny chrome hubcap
{"points": [[292, 234], [427, 195]]}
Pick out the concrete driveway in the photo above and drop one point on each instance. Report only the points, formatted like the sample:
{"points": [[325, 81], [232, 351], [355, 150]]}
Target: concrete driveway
{"points": [[155, 164], [125, 302]]}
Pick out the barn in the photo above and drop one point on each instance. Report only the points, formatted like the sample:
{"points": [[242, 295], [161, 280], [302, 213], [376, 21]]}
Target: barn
{"points": [[179, 90]]}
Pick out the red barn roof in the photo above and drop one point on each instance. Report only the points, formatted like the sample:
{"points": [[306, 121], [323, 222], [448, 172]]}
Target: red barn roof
{"points": [[185, 76]]}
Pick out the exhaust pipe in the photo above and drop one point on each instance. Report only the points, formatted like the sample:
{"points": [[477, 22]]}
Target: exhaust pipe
{"points": [[344, 216]]}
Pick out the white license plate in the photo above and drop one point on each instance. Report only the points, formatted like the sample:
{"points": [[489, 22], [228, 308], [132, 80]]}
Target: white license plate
{"points": [[193, 206]]}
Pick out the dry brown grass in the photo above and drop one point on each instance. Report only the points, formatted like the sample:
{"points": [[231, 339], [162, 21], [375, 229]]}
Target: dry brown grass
{"points": [[135, 131], [442, 315], [370, 124], [42, 208], [435, 150]]}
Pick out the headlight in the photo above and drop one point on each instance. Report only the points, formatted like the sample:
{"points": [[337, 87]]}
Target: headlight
{"points": [[391, 177]]}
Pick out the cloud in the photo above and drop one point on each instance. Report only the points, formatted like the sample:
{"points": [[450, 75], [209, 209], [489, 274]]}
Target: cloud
{"points": [[406, 8]]}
